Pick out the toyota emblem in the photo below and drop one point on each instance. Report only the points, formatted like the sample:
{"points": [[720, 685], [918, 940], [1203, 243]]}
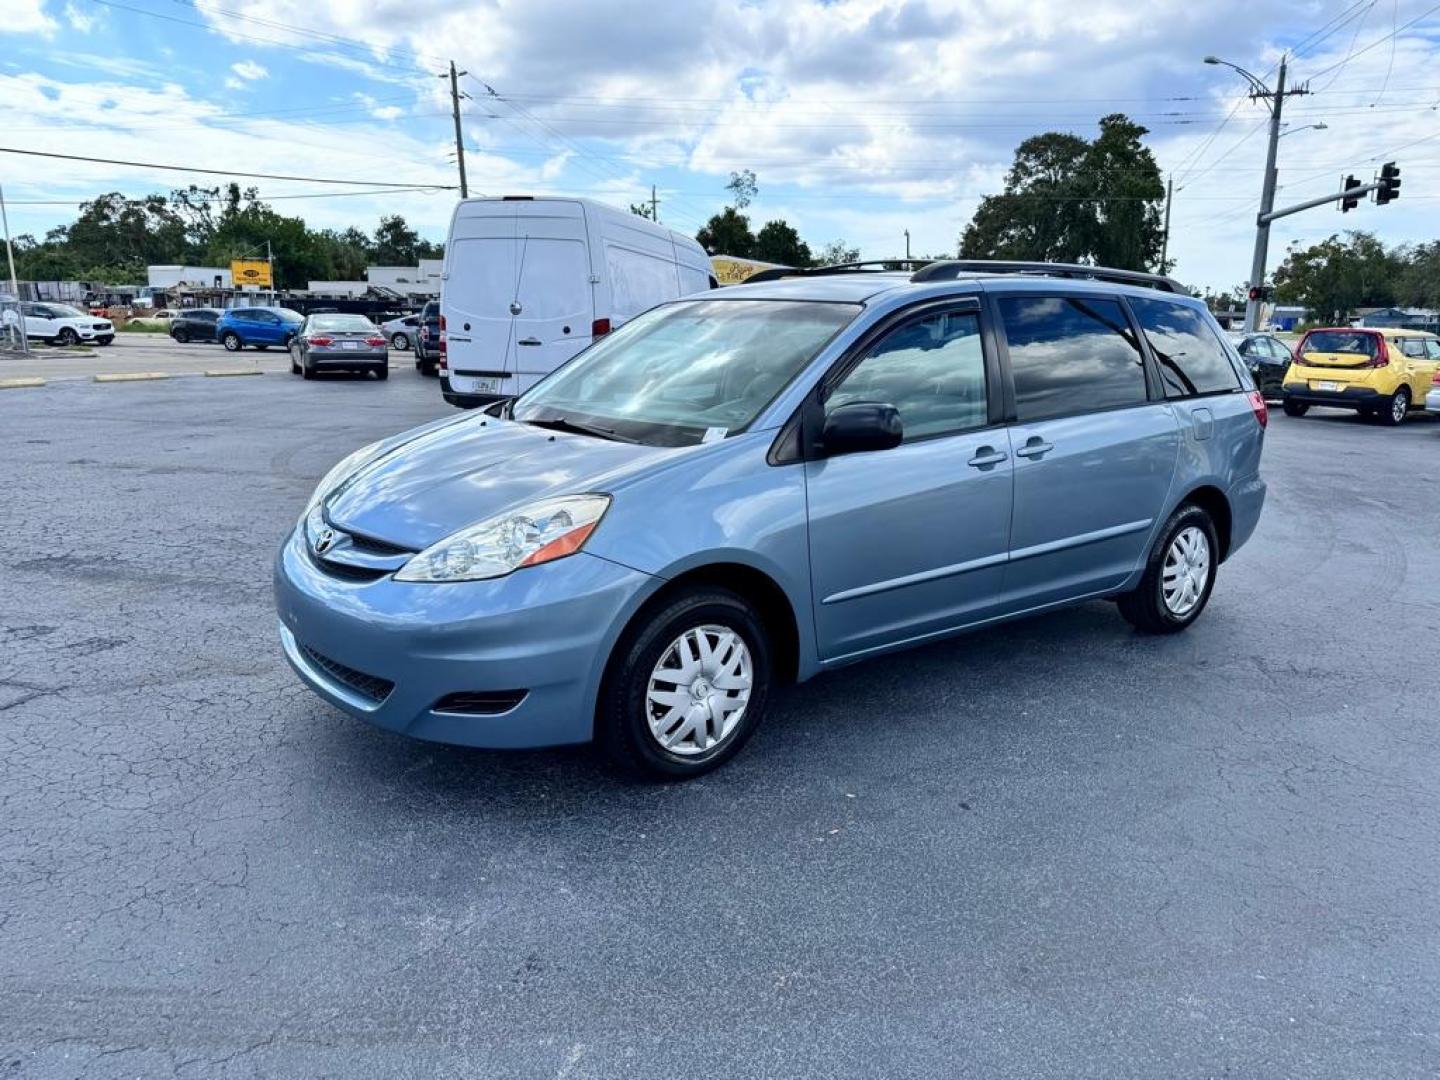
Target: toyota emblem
{"points": [[324, 541]]}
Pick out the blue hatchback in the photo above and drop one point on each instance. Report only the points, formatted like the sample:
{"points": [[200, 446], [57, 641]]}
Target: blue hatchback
{"points": [[257, 326], [764, 482]]}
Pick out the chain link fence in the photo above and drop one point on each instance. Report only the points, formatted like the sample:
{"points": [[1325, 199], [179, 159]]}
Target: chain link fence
{"points": [[12, 326]]}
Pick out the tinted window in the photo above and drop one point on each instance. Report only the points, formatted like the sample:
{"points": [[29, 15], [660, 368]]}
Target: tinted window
{"points": [[1432, 349], [1358, 342], [932, 370], [1412, 346], [1190, 356], [1071, 355]]}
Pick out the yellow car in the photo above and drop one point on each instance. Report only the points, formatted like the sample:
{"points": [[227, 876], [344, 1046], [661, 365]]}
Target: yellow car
{"points": [[1381, 373]]}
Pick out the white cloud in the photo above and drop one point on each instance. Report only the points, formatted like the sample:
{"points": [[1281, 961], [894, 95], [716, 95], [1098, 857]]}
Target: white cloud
{"points": [[80, 20], [249, 70], [27, 17]]}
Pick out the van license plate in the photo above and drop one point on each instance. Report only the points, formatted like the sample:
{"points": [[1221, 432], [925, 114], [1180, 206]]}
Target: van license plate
{"points": [[487, 386], [1334, 386]]}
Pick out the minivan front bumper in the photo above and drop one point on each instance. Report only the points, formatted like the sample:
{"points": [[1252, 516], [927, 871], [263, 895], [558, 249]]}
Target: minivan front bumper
{"points": [[388, 652]]}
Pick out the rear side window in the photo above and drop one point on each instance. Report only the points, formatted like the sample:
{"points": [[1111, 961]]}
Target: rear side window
{"points": [[932, 370], [1432, 349], [1191, 359], [1411, 346], [1071, 354]]}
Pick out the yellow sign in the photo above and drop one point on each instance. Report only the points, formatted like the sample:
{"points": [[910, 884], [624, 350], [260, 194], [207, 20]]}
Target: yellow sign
{"points": [[250, 272], [732, 271]]}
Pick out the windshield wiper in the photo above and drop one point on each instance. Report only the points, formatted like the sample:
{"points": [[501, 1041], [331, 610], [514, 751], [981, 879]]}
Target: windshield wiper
{"points": [[560, 423]]}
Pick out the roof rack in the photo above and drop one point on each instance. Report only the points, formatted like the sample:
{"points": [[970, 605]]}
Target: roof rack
{"points": [[950, 269], [869, 266]]}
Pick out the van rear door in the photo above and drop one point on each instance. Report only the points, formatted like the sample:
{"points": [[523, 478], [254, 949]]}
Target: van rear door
{"points": [[552, 305], [479, 284]]}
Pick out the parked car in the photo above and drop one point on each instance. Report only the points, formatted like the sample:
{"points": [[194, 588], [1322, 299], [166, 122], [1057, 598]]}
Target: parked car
{"points": [[339, 343], [194, 324], [531, 282], [769, 482], [1380, 373], [257, 326], [401, 332], [61, 324], [153, 320], [427, 340], [1267, 357], [1432, 398]]}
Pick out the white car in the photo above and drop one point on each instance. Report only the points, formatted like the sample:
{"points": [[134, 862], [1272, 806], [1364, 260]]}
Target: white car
{"points": [[61, 324], [402, 332], [1432, 399]]}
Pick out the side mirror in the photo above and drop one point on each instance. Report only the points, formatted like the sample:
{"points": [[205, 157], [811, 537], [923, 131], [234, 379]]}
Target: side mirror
{"points": [[861, 426]]}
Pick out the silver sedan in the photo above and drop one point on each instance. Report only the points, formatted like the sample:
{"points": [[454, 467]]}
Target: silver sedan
{"points": [[339, 343], [402, 332]]}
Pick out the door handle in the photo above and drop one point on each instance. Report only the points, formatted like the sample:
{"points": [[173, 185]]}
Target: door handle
{"points": [[1035, 447], [529, 341], [987, 457]]}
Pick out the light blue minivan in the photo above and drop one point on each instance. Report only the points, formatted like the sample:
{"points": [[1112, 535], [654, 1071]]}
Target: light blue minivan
{"points": [[760, 483]]}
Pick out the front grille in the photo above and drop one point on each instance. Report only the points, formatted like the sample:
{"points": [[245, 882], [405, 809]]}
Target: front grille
{"points": [[348, 571], [367, 686], [372, 546], [480, 702]]}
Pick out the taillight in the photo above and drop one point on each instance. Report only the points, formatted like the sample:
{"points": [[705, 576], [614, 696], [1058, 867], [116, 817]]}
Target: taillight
{"points": [[600, 327], [1382, 356], [374, 341], [1257, 403], [321, 341], [1435, 379]]}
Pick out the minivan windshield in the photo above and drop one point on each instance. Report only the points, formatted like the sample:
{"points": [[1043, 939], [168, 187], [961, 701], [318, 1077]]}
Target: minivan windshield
{"points": [[685, 372], [1339, 341]]}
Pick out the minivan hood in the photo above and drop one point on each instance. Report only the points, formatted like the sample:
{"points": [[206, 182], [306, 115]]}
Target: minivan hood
{"points": [[428, 487]]}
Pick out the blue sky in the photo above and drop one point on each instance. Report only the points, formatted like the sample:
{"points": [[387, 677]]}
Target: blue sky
{"points": [[861, 118]]}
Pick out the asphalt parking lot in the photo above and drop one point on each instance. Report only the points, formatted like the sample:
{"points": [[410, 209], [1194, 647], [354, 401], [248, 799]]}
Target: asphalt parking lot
{"points": [[1053, 849]]}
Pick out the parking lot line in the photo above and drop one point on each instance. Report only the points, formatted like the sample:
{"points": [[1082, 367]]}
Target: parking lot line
{"points": [[133, 376], [229, 374]]}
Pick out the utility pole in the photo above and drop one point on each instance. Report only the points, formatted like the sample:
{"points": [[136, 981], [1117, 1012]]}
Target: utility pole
{"points": [[459, 140], [1165, 239], [654, 205], [907, 243], [9, 251]]}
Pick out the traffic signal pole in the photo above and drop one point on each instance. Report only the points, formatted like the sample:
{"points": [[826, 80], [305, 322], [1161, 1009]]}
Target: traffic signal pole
{"points": [[1267, 202]]}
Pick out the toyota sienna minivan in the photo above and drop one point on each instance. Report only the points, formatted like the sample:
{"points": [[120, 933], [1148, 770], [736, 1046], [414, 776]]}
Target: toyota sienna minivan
{"points": [[761, 483]]}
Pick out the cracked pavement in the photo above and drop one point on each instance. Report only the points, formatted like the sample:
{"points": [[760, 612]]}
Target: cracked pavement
{"points": [[1053, 848]]}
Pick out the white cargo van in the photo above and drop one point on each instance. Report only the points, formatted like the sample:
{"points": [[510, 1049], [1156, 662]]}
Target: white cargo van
{"points": [[529, 282]]}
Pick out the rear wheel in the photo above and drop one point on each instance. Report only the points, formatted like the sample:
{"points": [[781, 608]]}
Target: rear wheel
{"points": [[1179, 575], [1393, 412], [231, 341], [307, 369], [68, 336], [399, 341], [180, 334], [1294, 408], [687, 686]]}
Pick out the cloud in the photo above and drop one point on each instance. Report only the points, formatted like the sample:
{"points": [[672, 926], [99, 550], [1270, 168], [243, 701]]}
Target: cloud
{"points": [[27, 17], [81, 21], [249, 70]]}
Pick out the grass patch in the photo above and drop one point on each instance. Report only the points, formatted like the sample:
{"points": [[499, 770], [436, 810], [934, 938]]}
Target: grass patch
{"points": [[132, 328]]}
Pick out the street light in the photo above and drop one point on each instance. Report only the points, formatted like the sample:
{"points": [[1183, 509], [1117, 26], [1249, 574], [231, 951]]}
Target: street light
{"points": [[1320, 126], [1275, 99]]}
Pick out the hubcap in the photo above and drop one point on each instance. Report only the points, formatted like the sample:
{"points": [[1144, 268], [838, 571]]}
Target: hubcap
{"points": [[699, 690], [1186, 571], [1397, 407]]}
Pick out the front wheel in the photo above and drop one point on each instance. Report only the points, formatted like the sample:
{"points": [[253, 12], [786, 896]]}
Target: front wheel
{"points": [[687, 686], [382, 373], [1393, 412], [231, 341], [1179, 575], [1294, 408], [108, 339]]}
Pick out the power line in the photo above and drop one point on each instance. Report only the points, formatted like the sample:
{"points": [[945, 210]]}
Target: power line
{"points": [[223, 198], [214, 172], [1378, 41]]}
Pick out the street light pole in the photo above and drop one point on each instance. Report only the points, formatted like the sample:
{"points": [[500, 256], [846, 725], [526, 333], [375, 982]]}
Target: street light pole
{"points": [[9, 251]]}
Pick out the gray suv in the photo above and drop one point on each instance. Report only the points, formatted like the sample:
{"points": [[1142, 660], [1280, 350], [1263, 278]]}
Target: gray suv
{"points": [[766, 482]]}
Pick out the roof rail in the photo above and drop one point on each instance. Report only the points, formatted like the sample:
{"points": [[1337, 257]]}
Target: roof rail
{"points": [[869, 266], [950, 269]]}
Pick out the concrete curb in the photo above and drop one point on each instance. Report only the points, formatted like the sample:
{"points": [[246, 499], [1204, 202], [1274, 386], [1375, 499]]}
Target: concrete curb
{"points": [[20, 384], [135, 376], [231, 374]]}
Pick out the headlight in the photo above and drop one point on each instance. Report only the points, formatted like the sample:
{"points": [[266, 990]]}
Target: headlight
{"points": [[535, 534], [351, 463]]}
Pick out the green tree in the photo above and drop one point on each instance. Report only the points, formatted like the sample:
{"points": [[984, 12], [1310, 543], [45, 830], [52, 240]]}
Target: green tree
{"points": [[837, 252], [1334, 277], [742, 188], [1418, 284], [728, 233], [1067, 199], [395, 242], [778, 242]]}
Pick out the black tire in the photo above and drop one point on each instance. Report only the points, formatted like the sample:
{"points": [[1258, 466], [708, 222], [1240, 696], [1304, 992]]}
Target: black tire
{"points": [[623, 718], [181, 335], [108, 339], [307, 369], [231, 341], [399, 341], [1145, 608], [1294, 408], [294, 364], [1392, 412], [67, 336], [382, 373], [261, 346]]}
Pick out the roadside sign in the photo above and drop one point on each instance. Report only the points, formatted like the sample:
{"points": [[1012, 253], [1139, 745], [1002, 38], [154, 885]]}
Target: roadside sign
{"points": [[732, 271], [254, 272]]}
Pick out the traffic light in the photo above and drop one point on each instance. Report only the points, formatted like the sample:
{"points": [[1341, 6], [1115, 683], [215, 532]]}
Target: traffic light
{"points": [[1350, 202], [1261, 293], [1389, 183]]}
